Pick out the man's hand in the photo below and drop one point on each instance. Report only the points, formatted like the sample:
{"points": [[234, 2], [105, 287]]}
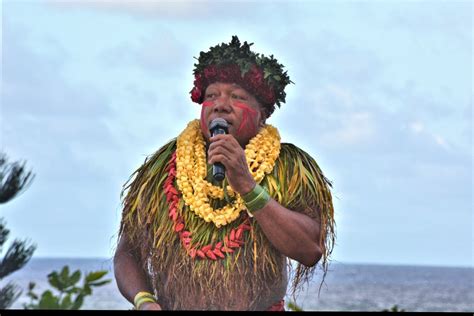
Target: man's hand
{"points": [[226, 150], [150, 306]]}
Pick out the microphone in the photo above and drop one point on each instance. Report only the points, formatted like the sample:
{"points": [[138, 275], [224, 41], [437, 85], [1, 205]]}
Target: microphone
{"points": [[218, 126]]}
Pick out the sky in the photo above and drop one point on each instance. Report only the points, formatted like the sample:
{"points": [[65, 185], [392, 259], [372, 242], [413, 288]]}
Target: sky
{"points": [[382, 99]]}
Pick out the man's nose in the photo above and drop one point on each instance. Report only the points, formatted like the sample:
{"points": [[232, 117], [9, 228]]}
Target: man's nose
{"points": [[222, 104]]}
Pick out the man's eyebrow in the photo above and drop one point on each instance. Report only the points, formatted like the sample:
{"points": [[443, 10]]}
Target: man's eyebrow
{"points": [[240, 89]]}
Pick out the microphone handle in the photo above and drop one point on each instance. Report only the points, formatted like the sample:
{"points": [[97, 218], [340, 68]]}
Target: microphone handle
{"points": [[218, 171]]}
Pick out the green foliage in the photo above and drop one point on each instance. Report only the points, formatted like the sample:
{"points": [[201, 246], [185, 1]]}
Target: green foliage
{"points": [[293, 307], [18, 254], [14, 179], [71, 296], [394, 308], [240, 54], [8, 295]]}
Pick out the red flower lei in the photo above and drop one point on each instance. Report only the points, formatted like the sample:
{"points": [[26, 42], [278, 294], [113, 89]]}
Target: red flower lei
{"points": [[252, 81], [231, 241]]}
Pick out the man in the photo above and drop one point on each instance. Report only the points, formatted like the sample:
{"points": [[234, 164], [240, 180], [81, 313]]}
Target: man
{"points": [[188, 241]]}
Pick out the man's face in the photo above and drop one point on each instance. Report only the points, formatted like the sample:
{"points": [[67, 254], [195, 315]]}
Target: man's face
{"points": [[235, 105]]}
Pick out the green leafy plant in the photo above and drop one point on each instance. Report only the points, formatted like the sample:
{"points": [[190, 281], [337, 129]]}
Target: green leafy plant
{"points": [[293, 307], [71, 296], [394, 308]]}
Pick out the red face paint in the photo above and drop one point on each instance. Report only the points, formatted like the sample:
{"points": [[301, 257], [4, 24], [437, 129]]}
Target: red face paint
{"points": [[203, 119], [247, 127], [249, 117]]}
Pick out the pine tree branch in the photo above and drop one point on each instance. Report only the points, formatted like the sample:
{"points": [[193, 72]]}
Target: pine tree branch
{"points": [[18, 254], [14, 179], [4, 232], [8, 295]]}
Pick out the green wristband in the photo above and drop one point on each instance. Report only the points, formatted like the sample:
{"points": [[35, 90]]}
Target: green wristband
{"points": [[143, 297], [256, 199]]}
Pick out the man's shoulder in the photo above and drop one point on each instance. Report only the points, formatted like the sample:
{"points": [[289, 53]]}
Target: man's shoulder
{"points": [[161, 153], [167, 148], [291, 150], [289, 145], [290, 153], [154, 161]]}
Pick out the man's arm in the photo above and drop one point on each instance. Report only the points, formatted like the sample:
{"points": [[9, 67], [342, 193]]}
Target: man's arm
{"points": [[129, 274], [294, 234]]}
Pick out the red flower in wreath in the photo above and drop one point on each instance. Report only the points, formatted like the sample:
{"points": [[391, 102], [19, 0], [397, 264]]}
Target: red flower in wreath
{"points": [[255, 77], [210, 72], [229, 73], [196, 95]]}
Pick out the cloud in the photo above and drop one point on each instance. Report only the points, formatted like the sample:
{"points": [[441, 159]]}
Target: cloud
{"points": [[340, 80], [157, 53], [378, 157], [455, 17], [355, 64], [468, 118], [183, 10], [354, 129], [33, 83], [44, 115], [417, 127], [60, 129], [175, 9]]}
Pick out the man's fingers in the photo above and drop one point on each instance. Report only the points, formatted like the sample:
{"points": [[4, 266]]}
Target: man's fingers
{"points": [[225, 138], [226, 150], [219, 158], [149, 306], [228, 142], [218, 149]]}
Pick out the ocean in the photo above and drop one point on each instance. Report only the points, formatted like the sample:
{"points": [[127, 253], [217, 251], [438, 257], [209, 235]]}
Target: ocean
{"points": [[347, 287]]}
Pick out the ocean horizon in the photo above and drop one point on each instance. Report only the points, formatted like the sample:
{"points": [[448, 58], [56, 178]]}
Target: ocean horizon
{"points": [[347, 286]]}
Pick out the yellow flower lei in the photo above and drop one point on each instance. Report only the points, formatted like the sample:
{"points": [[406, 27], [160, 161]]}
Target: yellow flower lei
{"points": [[191, 169]]}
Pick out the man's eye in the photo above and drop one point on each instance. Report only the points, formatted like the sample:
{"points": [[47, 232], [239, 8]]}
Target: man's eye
{"points": [[210, 95], [240, 97]]}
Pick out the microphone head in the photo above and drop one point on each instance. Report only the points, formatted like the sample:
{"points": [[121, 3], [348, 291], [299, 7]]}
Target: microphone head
{"points": [[218, 122]]}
